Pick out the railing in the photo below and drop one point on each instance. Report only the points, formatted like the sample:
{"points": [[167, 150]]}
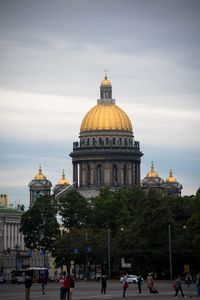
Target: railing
{"points": [[96, 144]]}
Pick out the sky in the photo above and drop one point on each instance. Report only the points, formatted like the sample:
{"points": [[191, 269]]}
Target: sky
{"points": [[52, 60]]}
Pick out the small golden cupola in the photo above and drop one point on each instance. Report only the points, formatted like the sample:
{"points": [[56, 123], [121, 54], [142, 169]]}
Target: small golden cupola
{"points": [[63, 180], [40, 175], [170, 178], [61, 186], [152, 172], [106, 83]]}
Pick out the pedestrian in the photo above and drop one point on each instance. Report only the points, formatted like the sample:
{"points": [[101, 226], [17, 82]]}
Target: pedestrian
{"points": [[150, 282], [188, 279], [178, 286], [43, 284], [66, 285], [124, 286], [103, 285], [71, 289], [198, 284], [139, 283], [62, 289], [28, 284]]}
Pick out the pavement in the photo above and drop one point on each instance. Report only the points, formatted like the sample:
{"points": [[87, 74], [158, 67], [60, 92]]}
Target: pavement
{"points": [[85, 290]]}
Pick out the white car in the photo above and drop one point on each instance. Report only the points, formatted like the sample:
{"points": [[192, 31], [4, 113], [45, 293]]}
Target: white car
{"points": [[130, 279]]}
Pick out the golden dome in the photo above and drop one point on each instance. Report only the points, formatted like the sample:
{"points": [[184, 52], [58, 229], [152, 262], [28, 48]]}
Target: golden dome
{"points": [[106, 83], [40, 176], [171, 178], [152, 172], [106, 116], [63, 181]]}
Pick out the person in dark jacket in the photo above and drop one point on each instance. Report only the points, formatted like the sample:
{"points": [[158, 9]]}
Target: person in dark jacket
{"points": [[139, 283], [103, 285], [198, 283], [28, 284], [43, 284]]}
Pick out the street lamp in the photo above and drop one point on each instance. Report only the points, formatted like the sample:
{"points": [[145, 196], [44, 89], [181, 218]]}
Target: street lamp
{"points": [[109, 250], [109, 264], [170, 252]]}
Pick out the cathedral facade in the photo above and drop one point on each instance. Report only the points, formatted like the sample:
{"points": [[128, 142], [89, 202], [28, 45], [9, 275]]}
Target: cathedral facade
{"points": [[106, 155]]}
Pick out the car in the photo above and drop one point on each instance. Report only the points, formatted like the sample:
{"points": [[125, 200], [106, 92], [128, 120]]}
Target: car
{"points": [[130, 279], [2, 279]]}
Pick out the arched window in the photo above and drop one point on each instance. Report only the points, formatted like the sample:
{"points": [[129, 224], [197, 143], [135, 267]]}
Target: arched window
{"points": [[114, 175], [98, 175]]}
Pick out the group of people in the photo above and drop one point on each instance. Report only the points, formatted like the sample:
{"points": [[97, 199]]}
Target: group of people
{"points": [[125, 285], [28, 283], [177, 285], [67, 287]]}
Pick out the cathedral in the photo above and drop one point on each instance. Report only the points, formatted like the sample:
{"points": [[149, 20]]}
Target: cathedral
{"points": [[106, 155]]}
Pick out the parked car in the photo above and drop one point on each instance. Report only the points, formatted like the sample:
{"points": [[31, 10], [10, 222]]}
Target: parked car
{"points": [[2, 279], [130, 279]]}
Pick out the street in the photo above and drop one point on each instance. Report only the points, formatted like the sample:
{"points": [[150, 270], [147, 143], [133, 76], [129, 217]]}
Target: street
{"points": [[91, 291]]}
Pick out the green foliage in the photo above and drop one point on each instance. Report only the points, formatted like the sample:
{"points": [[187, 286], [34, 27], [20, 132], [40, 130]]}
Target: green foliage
{"points": [[138, 224], [194, 223], [39, 224], [74, 210]]}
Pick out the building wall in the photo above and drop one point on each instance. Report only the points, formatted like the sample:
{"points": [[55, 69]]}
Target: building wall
{"points": [[4, 199], [13, 253]]}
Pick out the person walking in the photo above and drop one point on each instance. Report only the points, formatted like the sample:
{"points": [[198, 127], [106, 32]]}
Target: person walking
{"points": [[28, 284], [188, 279], [198, 284], [178, 286], [66, 285], [43, 284], [103, 285], [71, 289], [124, 286], [150, 282], [139, 283], [62, 289]]}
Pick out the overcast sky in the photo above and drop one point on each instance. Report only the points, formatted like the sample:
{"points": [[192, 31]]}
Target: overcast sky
{"points": [[52, 60]]}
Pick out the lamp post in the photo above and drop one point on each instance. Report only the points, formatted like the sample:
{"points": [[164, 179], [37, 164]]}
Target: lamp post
{"points": [[109, 263], [170, 252]]}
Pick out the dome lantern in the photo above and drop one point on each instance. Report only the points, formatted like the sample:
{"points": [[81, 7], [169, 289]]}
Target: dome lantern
{"points": [[105, 88]]}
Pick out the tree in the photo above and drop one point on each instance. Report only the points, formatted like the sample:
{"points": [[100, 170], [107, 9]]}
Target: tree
{"points": [[74, 210], [194, 224], [39, 224]]}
